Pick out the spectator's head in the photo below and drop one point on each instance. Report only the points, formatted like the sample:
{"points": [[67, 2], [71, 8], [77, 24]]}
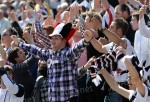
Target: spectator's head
{"points": [[60, 36], [26, 32], [119, 27], [135, 20], [7, 2], [16, 55], [48, 29], [22, 5], [6, 36], [42, 68], [122, 11], [62, 7], [144, 2], [90, 15]]}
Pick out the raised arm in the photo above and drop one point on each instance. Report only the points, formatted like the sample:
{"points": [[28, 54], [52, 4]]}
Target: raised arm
{"points": [[135, 77], [110, 35], [84, 68], [76, 50], [17, 90], [39, 52], [143, 28], [114, 85], [98, 46], [105, 4]]}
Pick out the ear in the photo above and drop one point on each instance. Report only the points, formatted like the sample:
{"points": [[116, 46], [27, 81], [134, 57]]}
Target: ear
{"points": [[16, 59], [119, 32]]}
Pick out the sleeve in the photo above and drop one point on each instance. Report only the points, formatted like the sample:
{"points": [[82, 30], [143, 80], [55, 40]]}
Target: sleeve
{"points": [[26, 64], [41, 35], [76, 50], [37, 43], [143, 28], [39, 52], [17, 90]]}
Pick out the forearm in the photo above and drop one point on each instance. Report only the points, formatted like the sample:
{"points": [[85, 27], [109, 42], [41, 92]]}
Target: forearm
{"points": [[97, 5], [42, 53], [114, 85], [113, 37], [135, 77], [76, 50], [98, 46], [105, 4]]}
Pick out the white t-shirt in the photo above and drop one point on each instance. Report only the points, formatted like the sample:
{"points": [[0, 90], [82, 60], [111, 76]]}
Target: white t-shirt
{"points": [[138, 97], [6, 96], [141, 47]]}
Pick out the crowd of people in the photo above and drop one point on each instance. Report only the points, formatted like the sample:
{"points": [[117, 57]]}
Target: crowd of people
{"points": [[74, 51]]}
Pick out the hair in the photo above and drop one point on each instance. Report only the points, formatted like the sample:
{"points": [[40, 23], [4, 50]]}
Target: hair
{"points": [[136, 14], [92, 14], [123, 8], [121, 23], [49, 29], [12, 54], [11, 31], [43, 69]]}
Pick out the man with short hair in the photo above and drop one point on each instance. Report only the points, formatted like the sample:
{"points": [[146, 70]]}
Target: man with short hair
{"points": [[21, 67], [123, 11], [115, 34], [61, 61]]}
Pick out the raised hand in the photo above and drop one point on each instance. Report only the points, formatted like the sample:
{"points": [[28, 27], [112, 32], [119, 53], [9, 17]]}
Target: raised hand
{"points": [[143, 10], [96, 23], [12, 16], [15, 39], [88, 36], [33, 13], [48, 21]]}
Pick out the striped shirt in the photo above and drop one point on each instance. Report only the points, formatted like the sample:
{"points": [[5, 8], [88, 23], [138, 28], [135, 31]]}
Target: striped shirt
{"points": [[62, 69]]}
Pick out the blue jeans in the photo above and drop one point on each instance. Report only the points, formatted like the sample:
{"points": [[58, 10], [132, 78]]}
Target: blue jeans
{"points": [[113, 97]]}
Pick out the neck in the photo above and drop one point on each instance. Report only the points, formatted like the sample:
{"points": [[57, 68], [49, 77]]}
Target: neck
{"points": [[7, 45]]}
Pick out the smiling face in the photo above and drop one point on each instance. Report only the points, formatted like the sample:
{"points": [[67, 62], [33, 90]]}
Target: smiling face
{"points": [[21, 56], [57, 42]]}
